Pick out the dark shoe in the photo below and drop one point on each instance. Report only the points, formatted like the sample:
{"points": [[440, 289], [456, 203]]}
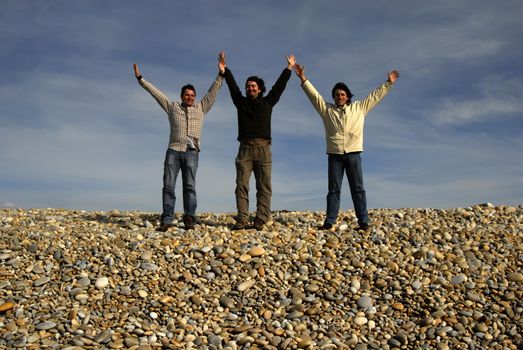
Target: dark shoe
{"points": [[188, 221], [240, 225], [164, 227], [259, 224], [326, 226], [363, 227]]}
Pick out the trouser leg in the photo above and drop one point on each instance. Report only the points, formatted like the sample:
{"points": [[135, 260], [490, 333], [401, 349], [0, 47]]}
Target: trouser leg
{"points": [[335, 175], [189, 168], [171, 167], [262, 174], [243, 174], [357, 191]]}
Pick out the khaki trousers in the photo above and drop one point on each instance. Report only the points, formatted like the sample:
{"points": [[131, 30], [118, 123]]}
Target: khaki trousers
{"points": [[254, 155]]}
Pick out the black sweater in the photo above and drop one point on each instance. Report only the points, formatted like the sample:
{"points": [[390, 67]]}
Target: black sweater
{"points": [[254, 116]]}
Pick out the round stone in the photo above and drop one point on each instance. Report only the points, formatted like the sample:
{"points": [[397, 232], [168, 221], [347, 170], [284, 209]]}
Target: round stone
{"points": [[458, 279], [360, 320], [102, 282], [365, 301]]}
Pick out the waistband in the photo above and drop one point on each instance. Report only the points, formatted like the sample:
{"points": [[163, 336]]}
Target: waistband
{"points": [[257, 142]]}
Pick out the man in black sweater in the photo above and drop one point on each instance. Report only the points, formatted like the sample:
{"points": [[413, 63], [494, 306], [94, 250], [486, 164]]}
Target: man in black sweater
{"points": [[254, 135]]}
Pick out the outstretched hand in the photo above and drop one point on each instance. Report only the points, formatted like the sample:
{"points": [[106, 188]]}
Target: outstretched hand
{"points": [[136, 70], [300, 72], [393, 75], [221, 62], [291, 61]]}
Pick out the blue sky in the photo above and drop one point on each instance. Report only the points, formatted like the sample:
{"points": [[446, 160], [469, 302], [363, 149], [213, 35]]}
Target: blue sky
{"points": [[78, 132]]}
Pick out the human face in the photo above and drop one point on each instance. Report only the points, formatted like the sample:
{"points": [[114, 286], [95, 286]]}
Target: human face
{"points": [[340, 98], [252, 89], [188, 97]]}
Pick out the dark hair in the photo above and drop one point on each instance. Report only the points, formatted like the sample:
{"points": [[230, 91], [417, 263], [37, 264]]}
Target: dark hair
{"points": [[187, 87], [342, 86], [259, 81]]}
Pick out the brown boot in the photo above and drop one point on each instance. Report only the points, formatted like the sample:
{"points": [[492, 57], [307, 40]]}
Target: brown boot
{"points": [[241, 225], [188, 221], [164, 227], [259, 224]]}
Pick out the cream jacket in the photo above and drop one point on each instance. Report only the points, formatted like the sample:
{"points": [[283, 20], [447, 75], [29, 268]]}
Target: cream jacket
{"points": [[344, 125]]}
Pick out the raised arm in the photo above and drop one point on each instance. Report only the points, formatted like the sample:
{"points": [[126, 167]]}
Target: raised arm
{"points": [[137, 73], [158, 95], [221, 62], [210, 97], [234, 90], [300, 72], [377, 95]]}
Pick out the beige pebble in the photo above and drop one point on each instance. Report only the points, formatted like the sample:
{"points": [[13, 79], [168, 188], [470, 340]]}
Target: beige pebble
{"points": [[360, 320], [256, 251], [515, 277], [245, 257], [246, 285]]}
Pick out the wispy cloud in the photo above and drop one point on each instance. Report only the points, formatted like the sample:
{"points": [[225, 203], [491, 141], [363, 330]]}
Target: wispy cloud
{"points": [[493, 99]]}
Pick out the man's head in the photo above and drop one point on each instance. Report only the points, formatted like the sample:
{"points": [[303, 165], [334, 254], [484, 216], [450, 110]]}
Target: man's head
{"points": [[188, 95], [341, 94], [254, 86]]}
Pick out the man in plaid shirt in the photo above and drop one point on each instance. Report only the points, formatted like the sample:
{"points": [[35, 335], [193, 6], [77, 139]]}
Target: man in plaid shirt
{"points": [[186, 121]]}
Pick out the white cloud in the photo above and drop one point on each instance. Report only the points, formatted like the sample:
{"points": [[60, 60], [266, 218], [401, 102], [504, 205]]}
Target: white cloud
{"points": [[493, 99]]}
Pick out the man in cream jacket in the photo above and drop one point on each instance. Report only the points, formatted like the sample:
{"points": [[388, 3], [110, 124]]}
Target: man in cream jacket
{"points": [[343, 122]]}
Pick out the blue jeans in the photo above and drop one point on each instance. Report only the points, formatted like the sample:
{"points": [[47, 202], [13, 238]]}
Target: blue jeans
{"points": [[175, 161], [351, 164]]}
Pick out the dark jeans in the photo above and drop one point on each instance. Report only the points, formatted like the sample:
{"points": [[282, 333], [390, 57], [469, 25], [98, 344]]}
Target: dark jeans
{"points": [[175, 161], [350, 163], [255, 158]]}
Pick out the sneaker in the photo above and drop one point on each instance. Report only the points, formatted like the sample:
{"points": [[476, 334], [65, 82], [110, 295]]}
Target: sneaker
{"points": [[164, 227], [326, 226], [188, 221], [259, 224]]}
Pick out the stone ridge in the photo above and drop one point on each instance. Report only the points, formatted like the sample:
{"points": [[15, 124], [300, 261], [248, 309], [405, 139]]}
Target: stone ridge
{"points": [[419, 278]]}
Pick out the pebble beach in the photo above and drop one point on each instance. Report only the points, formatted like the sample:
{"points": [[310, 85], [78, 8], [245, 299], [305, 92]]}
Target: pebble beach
{"points": [[417, 279]]}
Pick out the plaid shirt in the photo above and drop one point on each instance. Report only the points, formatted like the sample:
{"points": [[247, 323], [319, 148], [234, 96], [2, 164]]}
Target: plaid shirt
{"points": [[186, 122]]}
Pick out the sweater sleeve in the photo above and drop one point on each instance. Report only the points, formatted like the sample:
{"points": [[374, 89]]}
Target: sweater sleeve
{"points": [[234, 90], [375, 97], [159, 96], [277, 89], [210, 97], [315, 97]]}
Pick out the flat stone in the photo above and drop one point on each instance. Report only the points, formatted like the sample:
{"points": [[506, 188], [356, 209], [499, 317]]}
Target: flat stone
{"points": [[41, 281], [46, 325], [515, 277], [246, 285], [256, 251], [8, 305]]}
